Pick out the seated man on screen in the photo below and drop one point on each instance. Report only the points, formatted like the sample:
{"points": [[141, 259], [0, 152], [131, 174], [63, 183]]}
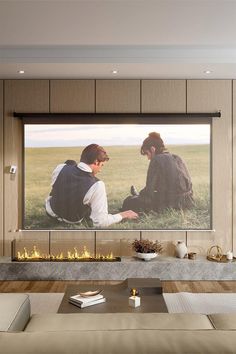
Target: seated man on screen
{"points": [[168, 183], [77, 194]]}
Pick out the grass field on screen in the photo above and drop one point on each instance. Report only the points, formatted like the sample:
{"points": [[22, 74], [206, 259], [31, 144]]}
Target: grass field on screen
{"points": [[126, 167]]}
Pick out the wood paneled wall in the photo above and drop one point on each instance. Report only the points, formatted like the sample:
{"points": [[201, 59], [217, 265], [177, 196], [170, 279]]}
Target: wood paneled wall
{"points": [[210, 96], [25, 96], [163, 96], [72, 96], [124, 96], [118, 96]]}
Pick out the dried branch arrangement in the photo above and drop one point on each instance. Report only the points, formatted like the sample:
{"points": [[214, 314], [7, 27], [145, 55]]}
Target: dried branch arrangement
{"points": [[147, 246]]}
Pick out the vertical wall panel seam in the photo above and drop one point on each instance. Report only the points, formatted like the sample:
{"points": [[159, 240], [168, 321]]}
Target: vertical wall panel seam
{"points": [[232, 172], [95, 244], [211, 175], [49, 94], [95, 95], [186, 111], [140, 97], [49, 109], [95, 111], [186, 92], [3, 168]]}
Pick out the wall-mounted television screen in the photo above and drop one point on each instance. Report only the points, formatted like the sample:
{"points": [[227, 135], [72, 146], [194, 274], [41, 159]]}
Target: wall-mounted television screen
{"points": [[117, 176]]}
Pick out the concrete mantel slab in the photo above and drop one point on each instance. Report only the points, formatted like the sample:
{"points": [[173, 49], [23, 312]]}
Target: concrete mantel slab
{"points": [[165, 268]]}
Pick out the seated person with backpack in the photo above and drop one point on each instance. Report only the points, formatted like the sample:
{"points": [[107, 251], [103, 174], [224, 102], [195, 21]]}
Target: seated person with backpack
{"points": [[168, 183], [77, 194]]}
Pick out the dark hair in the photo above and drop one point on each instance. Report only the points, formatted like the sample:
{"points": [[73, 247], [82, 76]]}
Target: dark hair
{"points": [[92, 153], [70, 162], [154, 139]]}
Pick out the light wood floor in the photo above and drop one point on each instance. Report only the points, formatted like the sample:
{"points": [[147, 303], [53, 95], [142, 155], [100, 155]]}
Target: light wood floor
{"points": [[168, 286]]}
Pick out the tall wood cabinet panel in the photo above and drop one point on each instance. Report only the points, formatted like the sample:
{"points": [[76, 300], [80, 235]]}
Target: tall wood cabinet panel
{"points": [[22, 96], [210, 96], [1, 167], [234, 167], [118, 96], [72, 96], [163, 96]]}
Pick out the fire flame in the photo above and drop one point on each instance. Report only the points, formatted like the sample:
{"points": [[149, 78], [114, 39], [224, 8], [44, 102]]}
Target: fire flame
{"points": [[35, 254]]}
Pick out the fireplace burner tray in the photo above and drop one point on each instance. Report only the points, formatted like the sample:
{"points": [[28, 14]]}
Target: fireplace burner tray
{"points": [[115, 259]]}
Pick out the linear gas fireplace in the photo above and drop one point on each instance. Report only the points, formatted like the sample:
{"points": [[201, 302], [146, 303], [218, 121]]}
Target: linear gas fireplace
{"points": [[41, 251]]}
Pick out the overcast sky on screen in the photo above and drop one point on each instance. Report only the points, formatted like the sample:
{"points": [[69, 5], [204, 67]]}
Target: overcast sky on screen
{"points": [[62, 135]]}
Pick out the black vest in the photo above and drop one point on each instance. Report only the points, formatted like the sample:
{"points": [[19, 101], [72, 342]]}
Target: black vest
{"points": [[68, 193]]}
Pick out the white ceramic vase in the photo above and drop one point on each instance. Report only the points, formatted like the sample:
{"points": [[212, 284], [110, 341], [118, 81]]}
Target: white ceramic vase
{"points": [[181, 249], [146, 256]]}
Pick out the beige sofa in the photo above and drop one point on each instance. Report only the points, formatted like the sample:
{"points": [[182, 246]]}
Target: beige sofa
{"points": [[121, 333]]}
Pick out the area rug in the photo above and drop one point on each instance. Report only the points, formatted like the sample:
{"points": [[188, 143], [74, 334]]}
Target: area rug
{"points": [[205, 303]]}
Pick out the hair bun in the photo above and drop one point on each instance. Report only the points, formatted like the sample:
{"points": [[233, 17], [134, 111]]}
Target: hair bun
{"points": [[154, 135]]}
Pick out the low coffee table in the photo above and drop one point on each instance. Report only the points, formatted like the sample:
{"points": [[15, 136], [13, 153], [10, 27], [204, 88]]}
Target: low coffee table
{"points": [[117, 297]]}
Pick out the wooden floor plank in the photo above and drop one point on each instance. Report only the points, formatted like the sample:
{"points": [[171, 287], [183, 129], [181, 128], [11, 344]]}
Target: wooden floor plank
{"points": [[168, 286]]}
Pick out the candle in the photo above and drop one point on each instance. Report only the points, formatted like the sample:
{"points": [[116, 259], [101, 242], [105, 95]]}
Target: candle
{"points": [[134, 301], [229, 255]]}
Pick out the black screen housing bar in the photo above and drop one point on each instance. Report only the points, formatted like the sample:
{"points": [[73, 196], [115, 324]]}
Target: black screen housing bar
{"points": [[116, 118]]}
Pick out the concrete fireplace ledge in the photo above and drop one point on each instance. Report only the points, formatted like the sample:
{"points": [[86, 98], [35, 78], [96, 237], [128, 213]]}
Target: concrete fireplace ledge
{"points": [[165, 268]]}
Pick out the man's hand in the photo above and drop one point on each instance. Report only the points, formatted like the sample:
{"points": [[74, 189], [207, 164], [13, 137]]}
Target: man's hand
{"points": [[129, 214]]}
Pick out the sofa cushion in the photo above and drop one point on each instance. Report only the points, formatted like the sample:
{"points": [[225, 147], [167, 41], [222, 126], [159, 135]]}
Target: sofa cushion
{"points": [[223, 320], [15, 311], [118, 321], [119, 342]]}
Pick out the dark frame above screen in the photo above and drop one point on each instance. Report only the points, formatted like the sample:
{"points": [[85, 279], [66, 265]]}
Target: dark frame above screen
{"points": [[126, 167]]}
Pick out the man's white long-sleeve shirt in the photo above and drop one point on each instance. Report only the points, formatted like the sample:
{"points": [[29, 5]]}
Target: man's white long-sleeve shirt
{"points": [[96, 198]]}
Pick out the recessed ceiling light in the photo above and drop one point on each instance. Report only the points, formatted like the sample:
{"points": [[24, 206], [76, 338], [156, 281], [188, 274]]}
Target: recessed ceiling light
{"points": [[114, 71], [21, 71], [207, 71]]}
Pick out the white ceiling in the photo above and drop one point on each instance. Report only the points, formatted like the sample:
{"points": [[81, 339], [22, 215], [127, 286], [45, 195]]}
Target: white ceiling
{"points": [[141, 39]]}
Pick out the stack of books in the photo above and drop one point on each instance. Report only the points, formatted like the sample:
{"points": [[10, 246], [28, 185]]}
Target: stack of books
{"points": [[82, 302]]}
